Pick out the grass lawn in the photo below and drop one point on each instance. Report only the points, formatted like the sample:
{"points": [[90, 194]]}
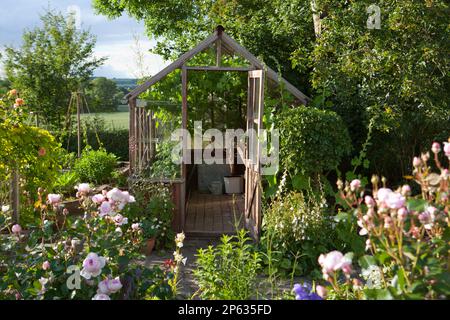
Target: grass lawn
{"points": [[117, 120]]}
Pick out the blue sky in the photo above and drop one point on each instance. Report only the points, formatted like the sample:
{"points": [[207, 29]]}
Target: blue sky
{"points": [[115, 38]]}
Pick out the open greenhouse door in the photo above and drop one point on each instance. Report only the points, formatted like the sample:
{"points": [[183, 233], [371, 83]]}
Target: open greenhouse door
{"points": [[255, 108]]}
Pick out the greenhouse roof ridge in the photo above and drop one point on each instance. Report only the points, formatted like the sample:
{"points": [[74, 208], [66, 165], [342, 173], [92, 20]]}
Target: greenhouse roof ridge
{"points": [[222, 40]]}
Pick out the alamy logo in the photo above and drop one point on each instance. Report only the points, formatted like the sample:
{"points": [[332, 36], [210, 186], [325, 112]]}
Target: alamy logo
{"points": [[374, 19], [256, 147]]}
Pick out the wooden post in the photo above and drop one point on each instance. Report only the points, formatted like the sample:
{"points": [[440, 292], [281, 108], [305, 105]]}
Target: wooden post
{"points": [[132, 134], [184, 120], [78, 123], [15, 195]]}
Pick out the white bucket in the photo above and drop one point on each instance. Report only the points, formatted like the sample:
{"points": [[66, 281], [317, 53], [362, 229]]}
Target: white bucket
{"points": [[234, 184]]}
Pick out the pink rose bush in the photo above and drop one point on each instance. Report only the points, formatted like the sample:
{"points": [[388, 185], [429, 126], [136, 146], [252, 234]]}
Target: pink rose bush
{"points": [[407, 237], [92, 266]]}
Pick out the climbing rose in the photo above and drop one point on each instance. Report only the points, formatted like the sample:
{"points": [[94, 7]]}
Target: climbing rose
{"points": [[92, 265], [16, 229], [19, 102], [42, 152]]}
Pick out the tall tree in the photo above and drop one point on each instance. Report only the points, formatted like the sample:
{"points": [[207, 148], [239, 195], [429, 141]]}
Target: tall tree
{"points": [[54, 60], [103, 95], [395, 73]]}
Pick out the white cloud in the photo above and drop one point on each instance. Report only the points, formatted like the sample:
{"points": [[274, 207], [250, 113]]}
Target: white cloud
{"points": [[122, 60], [114, 37]]}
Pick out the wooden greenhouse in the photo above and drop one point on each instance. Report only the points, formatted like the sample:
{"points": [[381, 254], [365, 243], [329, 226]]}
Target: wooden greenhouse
{"points": [[197, 213]]}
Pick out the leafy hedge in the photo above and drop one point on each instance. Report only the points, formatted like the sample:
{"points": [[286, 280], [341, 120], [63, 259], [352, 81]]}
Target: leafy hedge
{"points": [[113, 141]]}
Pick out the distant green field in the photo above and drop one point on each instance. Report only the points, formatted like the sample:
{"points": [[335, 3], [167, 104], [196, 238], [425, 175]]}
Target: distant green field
{"points": [[117, 120]]}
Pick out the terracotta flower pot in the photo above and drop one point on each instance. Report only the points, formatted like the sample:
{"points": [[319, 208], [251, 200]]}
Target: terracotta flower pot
{"points": [[149, 245]]}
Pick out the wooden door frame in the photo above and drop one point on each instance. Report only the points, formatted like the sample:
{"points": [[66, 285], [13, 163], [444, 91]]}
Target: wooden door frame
{"points": [[253, 214]]}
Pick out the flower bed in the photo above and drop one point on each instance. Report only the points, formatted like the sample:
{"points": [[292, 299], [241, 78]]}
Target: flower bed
{"points": [[94, 256]]}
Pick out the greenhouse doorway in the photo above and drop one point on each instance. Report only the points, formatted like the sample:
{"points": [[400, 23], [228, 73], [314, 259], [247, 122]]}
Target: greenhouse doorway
{"points": [[192, 205]]}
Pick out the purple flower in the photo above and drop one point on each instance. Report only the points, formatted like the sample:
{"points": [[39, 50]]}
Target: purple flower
{"points": [[303, 292]]}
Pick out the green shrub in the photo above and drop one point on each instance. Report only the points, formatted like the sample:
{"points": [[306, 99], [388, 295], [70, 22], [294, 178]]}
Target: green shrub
{"points": [[65, 183], [295, 230], [311, 140], [228, 271], [95, 166]]}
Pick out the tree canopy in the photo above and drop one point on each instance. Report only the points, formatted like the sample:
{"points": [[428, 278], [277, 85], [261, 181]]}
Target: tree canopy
{"points": [[395, 77], [53, 60]]}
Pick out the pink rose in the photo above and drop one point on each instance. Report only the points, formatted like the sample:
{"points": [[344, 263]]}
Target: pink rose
{"points": [[383, 194], [114, 285], [321, 291], [135, 226], [369, 201], [46, 265], [54, 199], [109, 286], [402, 214], [17, 229], [83, 188], [355, 185], [101, 296], [436, 148], [395, 200], [98, 198], [447, 148], [120, 220], [331, 261], [105, 208], [115, 195], [406, 190], [92, 265]]}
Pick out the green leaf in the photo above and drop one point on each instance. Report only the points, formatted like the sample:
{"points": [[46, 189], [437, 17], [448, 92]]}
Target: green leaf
{"points": [[378, 294], [300, 182], [416, 205], [366, 261]]}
